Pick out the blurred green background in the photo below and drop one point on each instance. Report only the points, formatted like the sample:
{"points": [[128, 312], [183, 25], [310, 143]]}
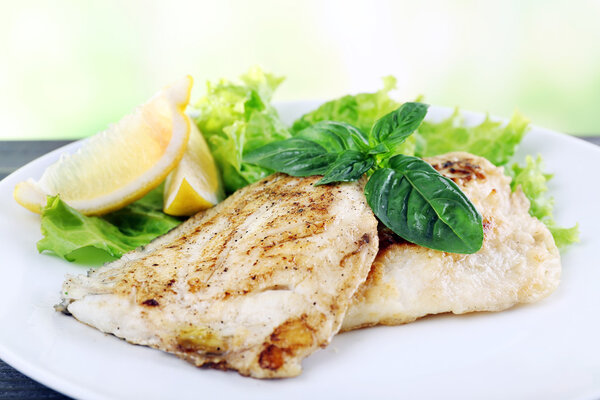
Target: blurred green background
{"points": [[69, 68]]}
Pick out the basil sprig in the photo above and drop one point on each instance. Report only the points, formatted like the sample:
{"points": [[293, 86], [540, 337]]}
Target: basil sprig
{"points": [[407, 195], [313, 151]]}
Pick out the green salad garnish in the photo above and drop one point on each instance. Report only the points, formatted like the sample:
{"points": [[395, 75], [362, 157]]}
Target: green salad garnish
{"points": [[534, 183], [342, 139], [236, 118], [491, 139], [66, 231]]}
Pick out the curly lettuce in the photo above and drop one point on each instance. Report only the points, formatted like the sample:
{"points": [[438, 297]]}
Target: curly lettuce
{"points": [[67, 232], [236, 117], [361, 110], [534, 183], [491, 139]]}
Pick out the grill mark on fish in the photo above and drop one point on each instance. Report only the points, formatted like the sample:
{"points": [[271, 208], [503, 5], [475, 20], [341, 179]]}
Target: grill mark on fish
{"points": [[364, 240], [286, 339], [463, 169]]}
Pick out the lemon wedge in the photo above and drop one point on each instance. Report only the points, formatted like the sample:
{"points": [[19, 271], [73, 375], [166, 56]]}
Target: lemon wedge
{"points": [[193, 185], [121, 164]]}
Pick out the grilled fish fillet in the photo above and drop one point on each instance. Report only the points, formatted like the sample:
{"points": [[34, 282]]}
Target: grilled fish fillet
{"points": [[518, 263], [255, 284]]}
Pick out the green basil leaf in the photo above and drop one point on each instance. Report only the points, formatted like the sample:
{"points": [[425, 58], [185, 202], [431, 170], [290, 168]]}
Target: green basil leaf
{"points": [[335, 136], [398, 125], [312, 151], [424, 207], [348, 167], [379, 149], [295, 156]]}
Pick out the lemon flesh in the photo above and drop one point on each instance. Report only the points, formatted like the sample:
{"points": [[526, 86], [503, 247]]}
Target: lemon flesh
{"points": [[193, 185], [121, 164]]}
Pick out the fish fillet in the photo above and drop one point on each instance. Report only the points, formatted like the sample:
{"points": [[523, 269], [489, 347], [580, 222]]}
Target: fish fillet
{"points": [[255, 284], [518, 263]]}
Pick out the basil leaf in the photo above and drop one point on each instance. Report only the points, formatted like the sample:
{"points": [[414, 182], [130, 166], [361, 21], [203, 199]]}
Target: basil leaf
{"points": [[312, 151], [398, 125], [422, 206], [381, 148], [335, 136], [349, 166], [294, 156]]}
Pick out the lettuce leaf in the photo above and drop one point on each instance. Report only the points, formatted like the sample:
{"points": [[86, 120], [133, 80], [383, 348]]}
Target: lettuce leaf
{"points": [[493, 140], [360, 110], [534, 183], [66, 231], [236, 118]]}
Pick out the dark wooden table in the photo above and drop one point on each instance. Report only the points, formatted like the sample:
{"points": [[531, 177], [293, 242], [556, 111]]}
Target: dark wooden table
{"points": [[14, 154]]}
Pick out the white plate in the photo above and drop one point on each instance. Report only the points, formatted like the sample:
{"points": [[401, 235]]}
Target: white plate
{"points": [[546, 350]]}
